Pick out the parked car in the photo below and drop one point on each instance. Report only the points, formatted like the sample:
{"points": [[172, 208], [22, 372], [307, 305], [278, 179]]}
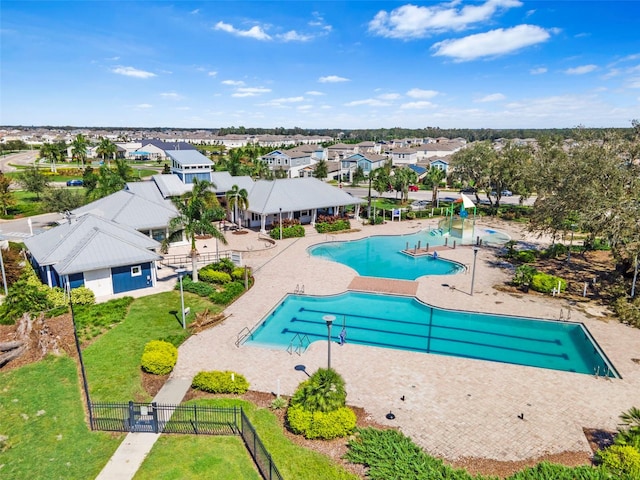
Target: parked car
{"points": [[413, 188], [506, 193], [468, 190], [75, 183]]}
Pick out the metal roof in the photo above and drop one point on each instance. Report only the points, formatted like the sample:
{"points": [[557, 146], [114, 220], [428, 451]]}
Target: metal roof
{"points": [[294, 194], [189, 157], [225, 182], [90, 243], [128, 208], [171, 185]]}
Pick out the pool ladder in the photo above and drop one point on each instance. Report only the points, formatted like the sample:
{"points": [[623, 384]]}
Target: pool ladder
{"points": [[299, 343], [299, 288]]}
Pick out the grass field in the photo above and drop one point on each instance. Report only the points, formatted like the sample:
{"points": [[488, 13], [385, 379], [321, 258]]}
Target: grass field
{"points": [[42, 415], [113, 360]]}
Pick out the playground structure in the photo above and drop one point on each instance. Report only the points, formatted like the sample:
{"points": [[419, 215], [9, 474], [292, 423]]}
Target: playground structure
{"points": [[459, 221]]}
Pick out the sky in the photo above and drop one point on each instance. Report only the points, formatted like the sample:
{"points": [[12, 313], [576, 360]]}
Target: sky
{"points": [[320, 64]]}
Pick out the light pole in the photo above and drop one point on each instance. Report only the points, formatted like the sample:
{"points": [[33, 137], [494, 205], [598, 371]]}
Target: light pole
{"points": [[280, 223], [329, 319], [473, 272], [4, 275], [180, 272]]}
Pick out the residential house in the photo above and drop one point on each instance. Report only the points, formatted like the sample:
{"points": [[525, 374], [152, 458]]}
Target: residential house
{"points": [[368, 163], [190, 164], [404, 156]]}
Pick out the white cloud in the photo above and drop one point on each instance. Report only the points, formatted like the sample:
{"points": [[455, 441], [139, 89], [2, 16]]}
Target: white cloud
{"points": [[371, 102], [332, 79], [494, 97], [278, 102], [419, 93], [538, 71], [233, 83], [633, 82], [212, 73], [314, 93], [195, 12], [493, 43], [250, 92], [132, 72], [304, 108], [581, 70], [389, 96], [144, 106], [171, 96], [293, 36], [411, 21], [183, 109], [255, 32], [417, 105]]}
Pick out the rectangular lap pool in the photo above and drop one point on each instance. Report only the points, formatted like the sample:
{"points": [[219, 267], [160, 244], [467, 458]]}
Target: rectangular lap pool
{"points": [[405, 323]]}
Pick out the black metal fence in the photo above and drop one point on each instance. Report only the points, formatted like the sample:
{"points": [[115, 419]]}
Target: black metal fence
{"points": [[184, 419]]}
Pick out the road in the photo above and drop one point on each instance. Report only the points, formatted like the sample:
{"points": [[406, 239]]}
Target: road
{"points": [[21, 158], [446, 195]]}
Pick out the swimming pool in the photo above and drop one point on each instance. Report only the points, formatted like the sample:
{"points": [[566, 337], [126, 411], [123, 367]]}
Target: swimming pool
{"points": [[405, 323], [381, 256]]}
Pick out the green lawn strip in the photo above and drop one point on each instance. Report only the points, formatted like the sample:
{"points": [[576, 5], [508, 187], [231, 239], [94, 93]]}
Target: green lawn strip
{"points": [[293, 461], [113, 360], [42, 414], [185, 457]]}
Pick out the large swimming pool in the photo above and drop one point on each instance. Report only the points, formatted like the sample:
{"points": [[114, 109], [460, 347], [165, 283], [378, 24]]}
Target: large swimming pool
{"points": [[381, 256], [405, 323]]}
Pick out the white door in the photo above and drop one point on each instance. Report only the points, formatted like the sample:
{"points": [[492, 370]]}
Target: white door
{"points": [[99, 281]]}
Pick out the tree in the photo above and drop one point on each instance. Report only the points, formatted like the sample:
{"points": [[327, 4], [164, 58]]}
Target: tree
{"points": [[358, 176], [401, 179], [434, 180], [33, 180], [79, 149], [237, 198], [6, 195], [261, 170], [380, 180], [321, 171], [106, 149], [62, 199], [108, 182], [89, 179], [471, 164], [197, 210]]}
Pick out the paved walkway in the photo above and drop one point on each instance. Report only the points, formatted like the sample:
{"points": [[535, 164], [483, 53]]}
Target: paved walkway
{"points": [[126, 460], [452, 407]]}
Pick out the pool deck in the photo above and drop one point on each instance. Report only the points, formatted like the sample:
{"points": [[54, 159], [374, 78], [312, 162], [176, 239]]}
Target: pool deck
{"points": [[453, 407]]}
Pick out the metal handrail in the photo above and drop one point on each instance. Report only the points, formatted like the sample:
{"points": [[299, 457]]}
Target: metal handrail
{"points": [[242, 337]]}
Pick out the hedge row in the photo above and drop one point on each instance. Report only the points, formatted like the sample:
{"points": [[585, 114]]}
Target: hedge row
{"points": [[216, 381]]}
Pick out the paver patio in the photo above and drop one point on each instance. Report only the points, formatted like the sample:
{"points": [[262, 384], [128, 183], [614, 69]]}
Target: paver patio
{"points": [[453, 407]]}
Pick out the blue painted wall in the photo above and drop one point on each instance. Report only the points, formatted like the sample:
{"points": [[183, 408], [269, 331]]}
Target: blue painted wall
{"points": [[124, 282], [76, 280]]}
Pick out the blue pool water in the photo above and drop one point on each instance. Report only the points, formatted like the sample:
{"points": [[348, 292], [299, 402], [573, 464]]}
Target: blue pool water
{"points": [[405, 323], [381, 256]]}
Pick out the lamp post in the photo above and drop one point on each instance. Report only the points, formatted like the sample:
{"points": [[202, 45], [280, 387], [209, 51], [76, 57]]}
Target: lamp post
{"points": [[180, 272], [4, 275], [473, 272], [329, 319], [280, 223]]}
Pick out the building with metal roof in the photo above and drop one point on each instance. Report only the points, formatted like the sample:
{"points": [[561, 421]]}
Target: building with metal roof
{"points": [[94, 252]]}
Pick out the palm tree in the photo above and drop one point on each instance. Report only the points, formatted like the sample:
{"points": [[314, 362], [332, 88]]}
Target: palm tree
{"points": [[49, 151], [402, 178], [197, 212], [239, 199], [106, 149], [321, 171], [261, 169], [79, 148], [435, 176]]}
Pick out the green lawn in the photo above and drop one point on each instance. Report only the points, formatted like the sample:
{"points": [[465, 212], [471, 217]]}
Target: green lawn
{"points": [[42, 414], [113, 360], [204, 456]]}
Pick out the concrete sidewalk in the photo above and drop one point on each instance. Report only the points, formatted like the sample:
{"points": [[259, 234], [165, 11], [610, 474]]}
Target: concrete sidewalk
{"points": [[126, 460]]}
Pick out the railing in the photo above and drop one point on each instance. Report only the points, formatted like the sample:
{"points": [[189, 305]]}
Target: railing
{"points": [[184, 419], [258, 452], [209, 257], [299, 343]]}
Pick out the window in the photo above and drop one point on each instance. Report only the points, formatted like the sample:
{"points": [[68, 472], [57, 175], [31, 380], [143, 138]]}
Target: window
{"points": [[136, 271]]}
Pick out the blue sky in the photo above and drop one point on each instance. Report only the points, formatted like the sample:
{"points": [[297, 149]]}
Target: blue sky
{"points": [[320, 64]]}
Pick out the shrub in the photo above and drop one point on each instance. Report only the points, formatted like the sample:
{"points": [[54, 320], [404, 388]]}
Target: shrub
{"points": [[278, 403], [551, 471], [542, 282], [216, 381], [324, 425], [410, 215], [214, 276], [159, 357], [57, 297], [27, 294], [238, 273], [294, 231], [526, 256], [523, 276], [376, 220], [232, 290], [623, 461], [555, 250], [83, 296], [332, 224], [324, 391], [628, 310], [224, 265], [199, 288]]}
